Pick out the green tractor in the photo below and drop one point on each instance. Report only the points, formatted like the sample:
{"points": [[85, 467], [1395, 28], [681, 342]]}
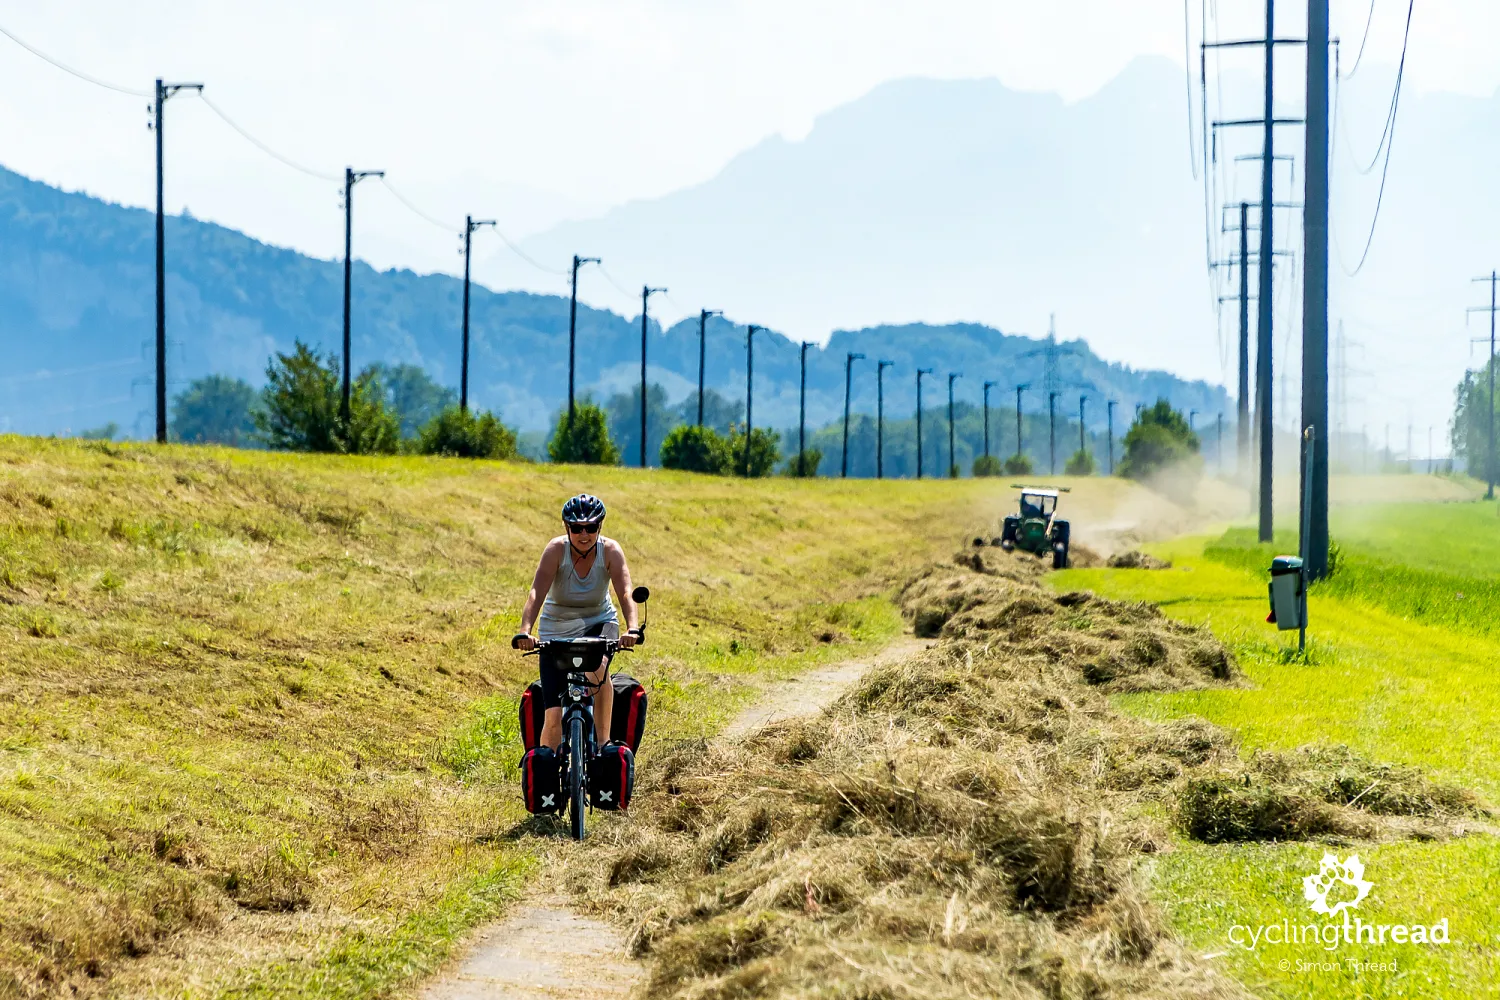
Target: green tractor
{"points": [[1037, 529]]}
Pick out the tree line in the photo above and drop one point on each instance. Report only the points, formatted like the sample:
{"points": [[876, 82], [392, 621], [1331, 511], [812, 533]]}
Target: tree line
{"points": [[400, 409]]}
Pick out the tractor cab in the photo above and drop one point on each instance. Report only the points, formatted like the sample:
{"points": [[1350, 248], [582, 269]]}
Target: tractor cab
{"points": [[1038, 504], [1037, 529]]}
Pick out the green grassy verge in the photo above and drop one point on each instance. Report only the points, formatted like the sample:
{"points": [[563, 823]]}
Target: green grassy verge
{"points": [[1420, 690], [257, 736]]}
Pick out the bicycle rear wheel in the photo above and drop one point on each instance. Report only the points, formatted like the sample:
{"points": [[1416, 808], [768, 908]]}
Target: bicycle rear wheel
{"points": [[577, 774]]}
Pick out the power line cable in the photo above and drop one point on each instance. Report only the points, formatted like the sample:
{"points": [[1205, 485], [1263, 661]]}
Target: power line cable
{"points": [[1389, 146], [1187, 78], [244, 133], [439, 223], [70, 70], [1369, 20]]}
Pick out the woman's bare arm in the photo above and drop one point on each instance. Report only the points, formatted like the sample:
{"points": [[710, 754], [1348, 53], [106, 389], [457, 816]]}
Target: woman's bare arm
{"points": [[619, 573], [546, 571]]}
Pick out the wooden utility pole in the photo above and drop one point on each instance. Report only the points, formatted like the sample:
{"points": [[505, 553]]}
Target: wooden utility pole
{"points": [[801, 412], [702, 354], [646, 292], [749, 386], [920, 373], [351, 178], [952, 458], [163, 92], [470, 224], [849, 360], [880, 367], [573, 330]]}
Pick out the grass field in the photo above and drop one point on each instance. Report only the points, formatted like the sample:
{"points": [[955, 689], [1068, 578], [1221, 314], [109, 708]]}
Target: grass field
{"points": [[257, 736], [1394, 671]]}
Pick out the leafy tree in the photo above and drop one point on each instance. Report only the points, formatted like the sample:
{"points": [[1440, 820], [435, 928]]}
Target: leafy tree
{"points": [[585, 438], [696, 449], [987, 465], [1473, 411], [1159, 439], [412, 394], [763, 454], [718, 412], [300, 406], [105, 433], [624, 410], [215, 409], [1080, 463], [465, 434], [1018, 465], [805, 465]]}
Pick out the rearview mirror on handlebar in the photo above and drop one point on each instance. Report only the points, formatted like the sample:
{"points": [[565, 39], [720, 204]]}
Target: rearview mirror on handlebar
{"points": [[640, 595]]}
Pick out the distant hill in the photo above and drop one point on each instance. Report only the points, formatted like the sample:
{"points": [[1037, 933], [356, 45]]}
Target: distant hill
{"points": [[77, 322]]}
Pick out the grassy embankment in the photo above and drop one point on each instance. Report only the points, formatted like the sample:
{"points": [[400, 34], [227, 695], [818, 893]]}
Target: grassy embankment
{"points": [[257, 735], [1402, 666]]}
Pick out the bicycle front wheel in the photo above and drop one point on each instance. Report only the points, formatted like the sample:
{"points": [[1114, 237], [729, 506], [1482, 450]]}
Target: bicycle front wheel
{"points": [[577, 777]]}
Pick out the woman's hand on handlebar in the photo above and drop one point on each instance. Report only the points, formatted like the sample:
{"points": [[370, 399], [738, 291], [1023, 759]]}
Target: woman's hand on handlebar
{"points": [[522, 640]]}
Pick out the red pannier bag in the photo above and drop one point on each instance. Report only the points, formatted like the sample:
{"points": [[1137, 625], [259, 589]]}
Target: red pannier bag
{"points": [[541, 780], [612, 777], [531, 715], [627, 722]]}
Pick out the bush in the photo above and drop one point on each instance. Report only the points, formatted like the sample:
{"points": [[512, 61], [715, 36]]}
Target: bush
{"points": [[1018, 465], [1080, 463], [987, 465], [764, 451], [805, 465], [1158, 440], [300, 407], [215, 409], [696, 449], [585, 439], [464, 434]]}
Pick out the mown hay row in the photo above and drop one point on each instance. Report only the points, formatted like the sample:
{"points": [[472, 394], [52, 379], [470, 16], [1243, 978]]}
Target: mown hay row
{"points": [[965, 823]]}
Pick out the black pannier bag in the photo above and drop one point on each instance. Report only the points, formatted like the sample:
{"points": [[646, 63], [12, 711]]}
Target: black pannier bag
{"points": [[612, 777], [541, 780], [627, 721]]}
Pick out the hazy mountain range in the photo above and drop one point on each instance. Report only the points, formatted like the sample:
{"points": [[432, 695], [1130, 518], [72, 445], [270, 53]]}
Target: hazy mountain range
{"points": [[77, 319]]}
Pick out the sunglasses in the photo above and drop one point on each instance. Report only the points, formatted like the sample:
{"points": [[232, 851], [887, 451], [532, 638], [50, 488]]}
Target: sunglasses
{"points": [[583, 529]]}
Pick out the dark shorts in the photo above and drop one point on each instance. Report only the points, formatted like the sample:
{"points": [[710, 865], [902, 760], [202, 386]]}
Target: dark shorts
{"points": [[554, 679]]}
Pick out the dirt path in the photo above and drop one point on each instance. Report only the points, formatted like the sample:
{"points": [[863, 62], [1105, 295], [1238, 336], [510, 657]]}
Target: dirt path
{"points": [[543, 950], [817, 689]]}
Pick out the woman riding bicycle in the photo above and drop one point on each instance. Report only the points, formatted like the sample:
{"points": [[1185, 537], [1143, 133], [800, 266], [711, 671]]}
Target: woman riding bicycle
{"points": [[574, 573]]}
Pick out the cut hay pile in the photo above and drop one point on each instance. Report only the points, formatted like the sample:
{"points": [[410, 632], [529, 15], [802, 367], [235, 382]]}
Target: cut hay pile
{"points": [[965, 823]]}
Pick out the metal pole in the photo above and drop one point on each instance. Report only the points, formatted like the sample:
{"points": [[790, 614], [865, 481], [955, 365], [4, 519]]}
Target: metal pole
{"points": [[1081, 441], [849, 360], [1309, 449], [1019, 389], [1265, 304], [1242, 433], [1489, 493], [1052, 433], [573, 329], [1109, 408], [1315, 289], [987, 386]]}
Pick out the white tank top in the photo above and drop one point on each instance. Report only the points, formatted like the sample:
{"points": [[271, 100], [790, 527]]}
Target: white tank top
{"points": [[574, 603]]}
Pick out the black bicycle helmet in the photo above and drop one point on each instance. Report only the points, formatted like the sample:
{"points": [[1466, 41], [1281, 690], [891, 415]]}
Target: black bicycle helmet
{"points": [[583, 509]]}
